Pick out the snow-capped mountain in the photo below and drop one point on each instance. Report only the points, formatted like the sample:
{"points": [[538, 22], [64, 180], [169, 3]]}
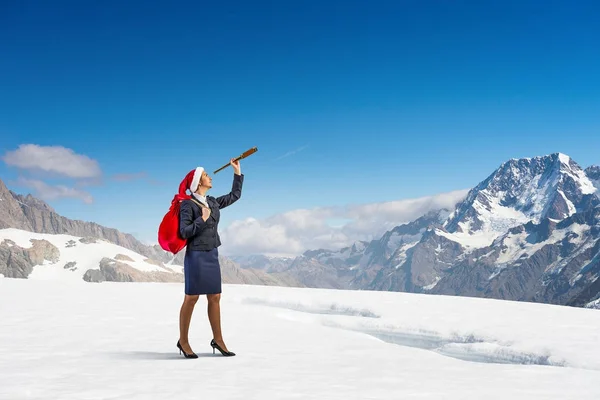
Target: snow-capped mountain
{"points": [[523, 190], [529, 231]]}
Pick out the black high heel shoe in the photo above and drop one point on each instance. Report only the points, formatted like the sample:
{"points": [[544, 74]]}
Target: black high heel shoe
{"points": [[186, 355], [214, 345]]}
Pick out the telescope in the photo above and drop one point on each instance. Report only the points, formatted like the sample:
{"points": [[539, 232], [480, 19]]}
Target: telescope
{"points": [[240, 157]]}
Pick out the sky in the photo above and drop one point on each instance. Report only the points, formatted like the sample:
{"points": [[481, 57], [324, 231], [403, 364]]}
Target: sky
{"points": [[356, 108]]}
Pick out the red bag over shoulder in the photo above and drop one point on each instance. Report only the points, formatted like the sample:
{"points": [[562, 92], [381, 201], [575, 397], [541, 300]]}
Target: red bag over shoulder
{"points": [[169, 238], [168, 230]]}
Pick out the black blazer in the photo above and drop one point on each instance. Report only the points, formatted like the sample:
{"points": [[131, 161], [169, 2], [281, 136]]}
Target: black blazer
{"points": [[200, 234]]}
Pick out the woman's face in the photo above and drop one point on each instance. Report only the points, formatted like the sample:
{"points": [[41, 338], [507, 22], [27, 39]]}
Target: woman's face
{"points": [[206, 180]]}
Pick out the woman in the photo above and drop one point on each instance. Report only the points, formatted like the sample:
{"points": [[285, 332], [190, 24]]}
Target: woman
{"points": [[198, 223]]}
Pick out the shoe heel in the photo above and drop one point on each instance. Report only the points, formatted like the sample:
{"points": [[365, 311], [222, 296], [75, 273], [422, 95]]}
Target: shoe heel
{"points": [[186, 355], [214, 345]]}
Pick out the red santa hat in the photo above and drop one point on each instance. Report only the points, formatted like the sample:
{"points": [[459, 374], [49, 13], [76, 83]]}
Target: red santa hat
{"points": [[191, 181]]}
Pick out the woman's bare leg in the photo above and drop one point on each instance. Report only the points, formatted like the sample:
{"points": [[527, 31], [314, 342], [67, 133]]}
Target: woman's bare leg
{"points": [[185, 317], [214, 316]]}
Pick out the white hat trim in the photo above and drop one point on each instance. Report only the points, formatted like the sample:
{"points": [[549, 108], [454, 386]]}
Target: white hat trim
{"points": [[196, 179]]}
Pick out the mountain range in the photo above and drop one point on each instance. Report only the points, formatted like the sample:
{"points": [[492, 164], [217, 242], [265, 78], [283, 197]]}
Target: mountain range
{"points": [[530, 231], [34, 236]]}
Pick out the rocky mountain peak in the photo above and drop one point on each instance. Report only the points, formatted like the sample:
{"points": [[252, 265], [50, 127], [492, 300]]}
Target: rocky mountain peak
{"points": [[521, 190], [33, 202], [593, 173]]}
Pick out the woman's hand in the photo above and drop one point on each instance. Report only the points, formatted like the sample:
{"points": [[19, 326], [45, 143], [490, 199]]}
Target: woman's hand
{"points": [[236, 166]]}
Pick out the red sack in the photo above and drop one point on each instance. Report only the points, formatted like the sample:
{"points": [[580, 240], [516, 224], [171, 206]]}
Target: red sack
{"points": [[168, 230]]}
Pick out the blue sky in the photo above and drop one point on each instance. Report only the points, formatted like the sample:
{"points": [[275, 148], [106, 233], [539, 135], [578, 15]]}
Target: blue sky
{"points": [[382, 101]]}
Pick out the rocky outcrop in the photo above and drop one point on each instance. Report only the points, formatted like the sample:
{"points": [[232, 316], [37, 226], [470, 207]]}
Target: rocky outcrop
{"points": [[17, 262], [123, 257], [71, 265], [111, 270]]}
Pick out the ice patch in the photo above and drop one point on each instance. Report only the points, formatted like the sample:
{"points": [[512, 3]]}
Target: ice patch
{"points": [[328, 309], [467, 348], [464, 346]]}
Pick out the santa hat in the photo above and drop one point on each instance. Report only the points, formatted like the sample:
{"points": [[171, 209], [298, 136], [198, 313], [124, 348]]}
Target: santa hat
{"points": [[191, 181]]}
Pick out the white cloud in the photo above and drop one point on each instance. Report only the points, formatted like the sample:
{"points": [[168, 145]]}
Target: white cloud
{"points": [[49, 192], [296, 231], [55, 159]]}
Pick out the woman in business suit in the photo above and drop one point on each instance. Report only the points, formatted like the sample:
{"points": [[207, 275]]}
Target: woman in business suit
{"points": [[198, 223]]}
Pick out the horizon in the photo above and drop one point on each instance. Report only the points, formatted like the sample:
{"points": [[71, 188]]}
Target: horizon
{"points": [[412, 209], [102, 101]]}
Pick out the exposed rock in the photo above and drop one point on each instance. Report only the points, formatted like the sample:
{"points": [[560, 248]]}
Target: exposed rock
{"points": [[14, 261], [71, 265], [116, 271], [123, 257], [43, 250], [154, 262], [17, 262]]}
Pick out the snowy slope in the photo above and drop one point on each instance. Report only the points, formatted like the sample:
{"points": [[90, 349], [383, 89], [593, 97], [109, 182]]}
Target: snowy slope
{"points": [[85, 253], [115, 341]]}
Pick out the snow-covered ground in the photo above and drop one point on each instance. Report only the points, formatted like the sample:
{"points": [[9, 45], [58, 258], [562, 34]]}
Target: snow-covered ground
{"points": [[77, 340]]}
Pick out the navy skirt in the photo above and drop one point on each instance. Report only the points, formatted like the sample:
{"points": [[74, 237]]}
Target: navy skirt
{"points": [[202, 272]]}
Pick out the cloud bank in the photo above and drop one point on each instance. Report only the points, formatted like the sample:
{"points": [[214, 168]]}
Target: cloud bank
{"points": [[296, 231], [55, 159]]}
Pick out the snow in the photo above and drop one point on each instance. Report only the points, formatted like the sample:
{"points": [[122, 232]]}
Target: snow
{"points": [[433, 284], [534, 193], [86, 255], [578, 174], [117, 341], [570, 205], [400, 256], [516, 246], [565, 159], [593, 304], [470, 241]]}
